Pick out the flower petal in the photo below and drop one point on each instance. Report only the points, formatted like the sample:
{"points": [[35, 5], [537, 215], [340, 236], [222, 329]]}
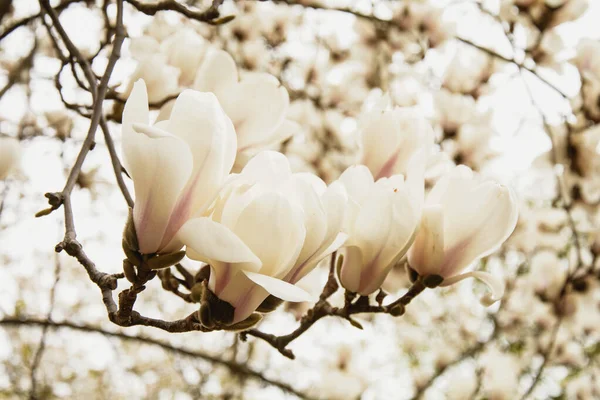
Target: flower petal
{"points": [[256, 107], [273, 229], [209, 241], [495, 285], [159, 165], [217, 73], [427, 252], [278, 288], [491, 222]]}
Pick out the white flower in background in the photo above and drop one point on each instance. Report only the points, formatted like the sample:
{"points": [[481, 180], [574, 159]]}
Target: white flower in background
{"points": [[453, 110], [382, 217], [10, 154], [464, 218], [177, 166], [391, 137], [268, 229], [183, 50], [467, 70], [471, 143], [162, 79], [500, 375], [256, 103]]}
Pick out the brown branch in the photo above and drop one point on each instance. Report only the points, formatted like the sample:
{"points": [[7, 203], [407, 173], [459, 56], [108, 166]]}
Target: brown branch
{"points": [[231, 365], [210, 15], [323, 309]]}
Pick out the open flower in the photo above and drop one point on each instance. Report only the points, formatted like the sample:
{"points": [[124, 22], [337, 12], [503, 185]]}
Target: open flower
{"points": [[177, 166], [9, 155], [464, 219], [381, 220], [391, 137], [255, 102], [268, 229]]}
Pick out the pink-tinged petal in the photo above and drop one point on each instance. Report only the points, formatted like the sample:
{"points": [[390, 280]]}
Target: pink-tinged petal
{"points": [[373, 223], [427, 252], [278, 288], [351, 270], [495, 285], [198, 119], [492, 222], [243, 294], [159, 165]]}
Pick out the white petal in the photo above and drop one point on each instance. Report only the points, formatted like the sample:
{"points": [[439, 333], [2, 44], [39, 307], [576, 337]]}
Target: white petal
{"points": [[492, 220], [495, 285], [373, 223], [159, 165], [270, 167], [427, 252], [210, 241], [273, 229], [357, 180], [278, 288], [315, 219], [256, 108], [198, 119], [217, 73], [185, 50]]}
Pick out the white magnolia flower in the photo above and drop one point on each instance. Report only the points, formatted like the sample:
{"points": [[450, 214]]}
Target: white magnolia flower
{"points": [[391, 137], [10, 154], [268, 229], [464, 219], [256, 103], [381, 220], [183, 50], [162, 79], [177, 166]]}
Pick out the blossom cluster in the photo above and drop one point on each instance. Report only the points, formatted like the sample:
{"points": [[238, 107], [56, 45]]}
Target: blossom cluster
{"points": [[263, 229]]}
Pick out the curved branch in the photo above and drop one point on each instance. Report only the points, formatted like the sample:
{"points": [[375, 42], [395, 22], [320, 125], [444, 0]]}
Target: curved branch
{"points": [[232, 366]]}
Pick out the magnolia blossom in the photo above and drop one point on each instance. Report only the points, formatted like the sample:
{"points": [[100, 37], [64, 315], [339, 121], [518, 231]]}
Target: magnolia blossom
{"points": [[256, 103], [160, 77], [391, 137], [381, 220], [10, 151], [177, 165], [464, 219], [267, 230], [183, 50]]}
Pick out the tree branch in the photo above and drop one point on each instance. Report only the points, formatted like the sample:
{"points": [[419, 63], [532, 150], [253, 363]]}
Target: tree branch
{"points": [[231, 365]]}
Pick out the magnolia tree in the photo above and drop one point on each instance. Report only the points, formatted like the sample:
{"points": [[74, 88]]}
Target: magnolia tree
{"points": [[281, 199]]}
